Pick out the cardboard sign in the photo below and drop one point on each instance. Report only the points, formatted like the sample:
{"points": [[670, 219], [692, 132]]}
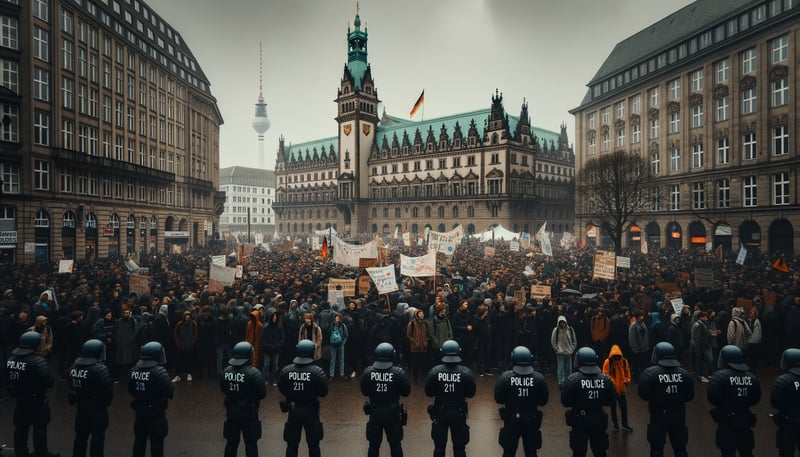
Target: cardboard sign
{"points": [[347, 286], [539, 292], [605, 265]]}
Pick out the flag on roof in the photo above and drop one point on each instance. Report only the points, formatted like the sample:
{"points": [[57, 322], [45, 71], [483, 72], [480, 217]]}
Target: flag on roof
{"points": [[418, 104]]}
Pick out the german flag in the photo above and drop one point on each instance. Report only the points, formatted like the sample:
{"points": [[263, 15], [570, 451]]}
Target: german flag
{"points": [[780, 265], [324, 248], [418, 104]]}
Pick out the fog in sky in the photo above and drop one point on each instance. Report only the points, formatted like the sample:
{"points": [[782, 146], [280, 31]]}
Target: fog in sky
{"points": [[458, 51]]}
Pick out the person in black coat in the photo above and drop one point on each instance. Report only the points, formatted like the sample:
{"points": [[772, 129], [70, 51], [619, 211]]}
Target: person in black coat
{"points": [[151, 389], [244, 389], [272, 341], [91, 390], [785, 398]]}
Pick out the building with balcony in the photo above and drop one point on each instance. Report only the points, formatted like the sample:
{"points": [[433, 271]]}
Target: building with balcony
{"points": [[708, 96], [109, 133], [249, 193], [381, 174]]}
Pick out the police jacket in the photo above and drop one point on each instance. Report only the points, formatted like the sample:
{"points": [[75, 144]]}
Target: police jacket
{"points": [[733, 391], [384, 387], [451, 384], [587, 393], [786, 395], [150, 387], [244, 388], [29, 377], [303, 384], [92, 384], [667, 389], [521, 392]]}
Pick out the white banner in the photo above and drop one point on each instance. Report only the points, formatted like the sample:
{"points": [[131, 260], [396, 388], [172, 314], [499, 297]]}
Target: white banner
{"points": [[547, 249], [218, 260], [677, 305], [742, 254], [623, 262], [65, 266], [441, 242], [384, 279], [644, 244], [223, 275], [418, 266], [514, 246], [348, 254], [407, 239], [132, 266]]}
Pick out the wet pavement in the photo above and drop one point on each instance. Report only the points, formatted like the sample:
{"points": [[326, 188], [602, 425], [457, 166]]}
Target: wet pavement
{"points": [[196, 415]]}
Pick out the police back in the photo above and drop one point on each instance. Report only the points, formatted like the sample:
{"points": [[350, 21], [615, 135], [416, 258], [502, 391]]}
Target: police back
{"points": [[150, 387], [733, 391], [385, 386], [521, 392], [29, 377], [244, 388], [666, 389], [91, 382], [303, 384], [587, 392], [450, 384]]}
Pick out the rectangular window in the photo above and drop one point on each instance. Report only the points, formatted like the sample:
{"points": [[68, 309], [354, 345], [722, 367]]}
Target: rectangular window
{"points": [[749, 101], [723, 151], [67, 181], [780, 49], [9, 174], [654, 96], [620, 137], [636, 134], [41, 175], [674, 197], [41, 47], [655, 200], [8, 32], [653, 129], [67, 134], [675, 122], [698, 196], [604, 115], [749, 192], [41, 84], [697, 81], [636, 104], [780, 140], [10, 75], [697, 155], [41, 128], [591, 120], [749, 146], [780, 188], [592, 145], [67, 24], [749, 61], [66, 55], [655, 164], [41, 10], [723, 193], [605, 140], [9, 131], [780, 92], [697, 116], [723, 109], [621, 110], [674, 89], [675, 159]]}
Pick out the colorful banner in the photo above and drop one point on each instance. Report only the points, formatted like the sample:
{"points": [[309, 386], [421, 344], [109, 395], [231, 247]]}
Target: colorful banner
{"points": [[384, 279], [418, 266]]}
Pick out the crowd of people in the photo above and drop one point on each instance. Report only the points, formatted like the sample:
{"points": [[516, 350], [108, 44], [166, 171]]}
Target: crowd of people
{"points": [[480, 310], [483, 303]]}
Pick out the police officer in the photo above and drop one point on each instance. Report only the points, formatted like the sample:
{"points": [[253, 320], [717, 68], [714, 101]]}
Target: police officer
{"points": [[302, 383], [521, 390], [667, 388], [384, 383], [586, 392], [29, 379], [786, 399], [91, 390], [151, 388], [451, 384], [243, 386], [732, 390]]}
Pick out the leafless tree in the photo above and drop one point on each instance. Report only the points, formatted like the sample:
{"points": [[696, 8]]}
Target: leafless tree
{"points": [[612, 189]]}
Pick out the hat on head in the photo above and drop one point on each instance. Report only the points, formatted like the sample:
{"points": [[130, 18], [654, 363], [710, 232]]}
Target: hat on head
{"points": [[258, 306], [487, 301], [8, 292]]}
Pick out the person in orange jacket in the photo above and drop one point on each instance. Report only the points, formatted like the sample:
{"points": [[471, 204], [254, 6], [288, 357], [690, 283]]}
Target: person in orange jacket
{"points": [[255, 325], [617, 368]]}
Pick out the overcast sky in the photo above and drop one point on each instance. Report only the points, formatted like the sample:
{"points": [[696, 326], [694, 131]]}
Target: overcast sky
{"points": [[458, 51]]}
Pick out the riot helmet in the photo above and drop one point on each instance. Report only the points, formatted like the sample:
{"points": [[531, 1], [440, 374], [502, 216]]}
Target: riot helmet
{"points": [[152, 354], [522, 359], [242, 354], [29, 343], [451, 352], [790, 361], [304, 352], [384, 356], [586, 361], [664, 355], [732, 356], [92, 351]]}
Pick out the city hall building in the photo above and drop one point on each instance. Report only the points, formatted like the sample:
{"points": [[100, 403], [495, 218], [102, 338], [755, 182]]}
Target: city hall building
{"points": [[708, 97], [382, 174], [109, 137]]}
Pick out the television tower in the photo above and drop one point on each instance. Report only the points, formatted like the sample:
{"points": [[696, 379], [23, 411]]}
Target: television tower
{"points": [[261, 121]]}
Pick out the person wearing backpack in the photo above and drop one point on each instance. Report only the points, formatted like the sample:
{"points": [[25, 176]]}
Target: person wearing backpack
{"points": [[338, 340]]}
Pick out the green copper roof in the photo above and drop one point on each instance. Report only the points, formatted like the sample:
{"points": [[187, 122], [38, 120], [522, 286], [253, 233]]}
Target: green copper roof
{"points": [[398, 126], [305, 151]]}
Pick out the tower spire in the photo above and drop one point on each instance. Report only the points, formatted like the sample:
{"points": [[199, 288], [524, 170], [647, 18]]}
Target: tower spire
{"points": [[260, 75]]}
